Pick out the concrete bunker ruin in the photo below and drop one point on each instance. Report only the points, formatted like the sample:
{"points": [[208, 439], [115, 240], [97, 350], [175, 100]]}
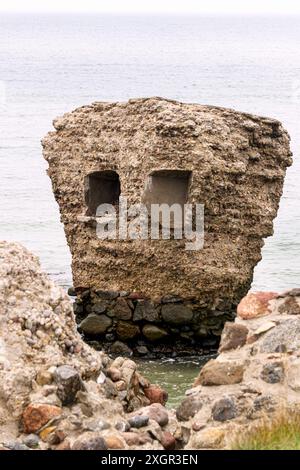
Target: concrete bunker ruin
{"points": [[101, 187], [154, 294]]}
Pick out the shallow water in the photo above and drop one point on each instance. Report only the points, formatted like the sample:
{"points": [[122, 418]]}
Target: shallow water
{"points": [[174, 375], [51, 64]]}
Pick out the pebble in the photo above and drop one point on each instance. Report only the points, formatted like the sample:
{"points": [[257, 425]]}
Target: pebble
{"points": [[16, 446], [89, 441], [101, 378], [32, 441], [138, 421], [122, 426]]}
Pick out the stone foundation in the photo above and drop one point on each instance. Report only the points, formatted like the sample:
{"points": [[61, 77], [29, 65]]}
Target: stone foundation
{"points": [[127, 322]]}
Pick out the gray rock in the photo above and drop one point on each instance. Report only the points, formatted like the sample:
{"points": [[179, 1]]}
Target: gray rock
{"points": [[262, 407], [170, 299], [176, 314], [156, 412], [233, 336], [224, 409], [123, 293], [122, 426], [121, 310], [77, 308], [142, 350], [96, 425], [107, 294], [110, 337], [16, 446], [188, 408], [273, 372], [69, 383], [138, 421], [146, 310], [72, 292], [95, 324], [99, 307], [32, 441], [89, 441], [287, 333], [154, 333], [290, 306], [120, 348], [110, 390]]}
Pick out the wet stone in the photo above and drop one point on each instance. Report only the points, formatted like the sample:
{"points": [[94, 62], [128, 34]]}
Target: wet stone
{"points": [[142, 350], [99, 307], [71, 292], [146, 310], [107, 294], [120, 348], [77, 308], [95, 324], [176, 314], [121, 310], [127, 331], [154, 333]]}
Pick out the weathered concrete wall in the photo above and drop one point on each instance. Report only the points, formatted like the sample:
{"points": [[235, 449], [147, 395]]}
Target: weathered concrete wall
{"points": [[237, 163]]}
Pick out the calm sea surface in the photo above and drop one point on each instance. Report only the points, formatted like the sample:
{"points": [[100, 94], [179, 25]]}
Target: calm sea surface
{"points": [[52, 64]]}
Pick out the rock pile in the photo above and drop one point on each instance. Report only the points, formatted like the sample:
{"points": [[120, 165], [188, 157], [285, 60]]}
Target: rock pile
{"points": [[55, 391], [132, 324], [256, 375]]}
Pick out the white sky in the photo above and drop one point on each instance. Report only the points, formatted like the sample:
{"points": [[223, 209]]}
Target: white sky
{"points": [[153, 6]]}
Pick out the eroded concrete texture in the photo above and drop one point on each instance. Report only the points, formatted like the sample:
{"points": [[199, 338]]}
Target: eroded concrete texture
{"points": [[235, 165]]}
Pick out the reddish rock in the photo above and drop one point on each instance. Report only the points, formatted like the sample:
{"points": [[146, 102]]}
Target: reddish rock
{"points": [[114, 442], [233, 336], [121, 310], [255, 304], [56, 437], [89, 441], [168, 441], [114, 374], [136, 295], [135, 439], [198, 426], [156, 394], [65, 445], [156, 412], [37, 415]]}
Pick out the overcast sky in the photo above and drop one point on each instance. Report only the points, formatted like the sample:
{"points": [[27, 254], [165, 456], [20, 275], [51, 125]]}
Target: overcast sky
{"points": [[153, 6]]}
